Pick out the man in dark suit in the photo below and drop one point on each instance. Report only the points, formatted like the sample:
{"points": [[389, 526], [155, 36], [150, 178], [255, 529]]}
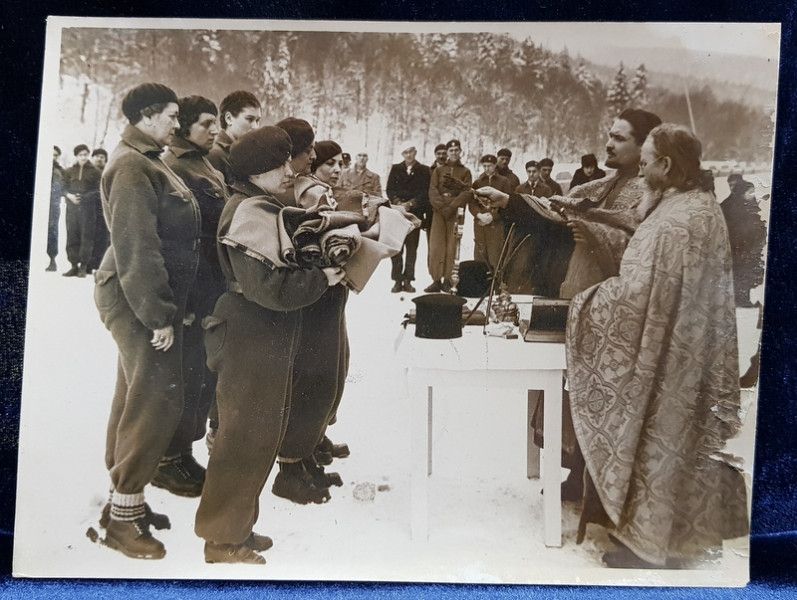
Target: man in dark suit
{"points": [[408, 186]]}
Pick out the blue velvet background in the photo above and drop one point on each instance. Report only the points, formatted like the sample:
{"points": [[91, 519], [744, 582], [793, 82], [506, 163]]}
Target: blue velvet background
{"points": [[774, 526]]}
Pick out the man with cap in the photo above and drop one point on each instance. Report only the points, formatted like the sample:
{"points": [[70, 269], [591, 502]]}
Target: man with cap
{"points": [[360, 178], [440, 156], [546, 166], [82, 192], [408, 186], [179, 471], [99, 158], [252, 339], [141, 290], [239, 113], [502, 168], [346, 157], [449, 189], [589, 171], [488, 227]]}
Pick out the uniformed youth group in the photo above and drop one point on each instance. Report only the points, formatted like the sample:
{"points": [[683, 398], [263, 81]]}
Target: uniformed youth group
{"points": [[214, 323]]}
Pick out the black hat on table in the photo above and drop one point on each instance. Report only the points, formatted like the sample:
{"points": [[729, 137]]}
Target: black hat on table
{"points": [[259, 151]]}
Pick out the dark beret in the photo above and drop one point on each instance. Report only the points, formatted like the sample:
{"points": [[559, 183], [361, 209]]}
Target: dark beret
{"points": [[488, 158], [323, 152], [81, 148], [546, 162], [453, 144], [532, 163], [439, 147], [144, 95], [345, 156], [505, 152], [259, 151], [300, 132], [589, 160]]}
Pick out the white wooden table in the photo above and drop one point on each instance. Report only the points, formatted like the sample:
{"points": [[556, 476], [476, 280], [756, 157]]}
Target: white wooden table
{"points": [[482, 362]]}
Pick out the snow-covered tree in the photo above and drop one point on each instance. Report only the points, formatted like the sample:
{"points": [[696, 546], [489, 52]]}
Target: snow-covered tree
{"points": [[618, 97], [639, 88]]}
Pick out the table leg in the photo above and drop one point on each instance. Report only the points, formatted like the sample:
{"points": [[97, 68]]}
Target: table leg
{"points": [[552, 459], [532, 451], [429, 402], [420, 459]]}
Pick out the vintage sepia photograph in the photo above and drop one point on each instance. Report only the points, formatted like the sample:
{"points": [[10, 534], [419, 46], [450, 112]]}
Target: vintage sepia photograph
{"points": [[396, 302]]}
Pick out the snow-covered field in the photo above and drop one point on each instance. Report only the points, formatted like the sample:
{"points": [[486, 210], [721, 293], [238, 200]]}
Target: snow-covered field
{"points": [[485, 517]]}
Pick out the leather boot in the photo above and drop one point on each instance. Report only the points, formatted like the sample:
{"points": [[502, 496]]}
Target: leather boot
{"points": [[336, 450], [321, 478], [133, 539], [232, 553], [294, 483]]}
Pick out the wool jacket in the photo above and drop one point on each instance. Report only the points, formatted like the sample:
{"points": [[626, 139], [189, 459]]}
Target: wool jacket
{"points": [[219, 156], [444, 198], [154, 223]]}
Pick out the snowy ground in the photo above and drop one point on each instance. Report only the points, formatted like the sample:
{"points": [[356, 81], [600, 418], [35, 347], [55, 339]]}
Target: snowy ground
{"points": [[485, 516]]}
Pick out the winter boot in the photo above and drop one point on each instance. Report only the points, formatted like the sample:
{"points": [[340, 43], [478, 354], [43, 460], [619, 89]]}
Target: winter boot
{"points": [[408, 287], [173, 476], [320, 478], [294, 483], [336, 450], [128, 528], [232, 553], [259, 543], [196, 470]]}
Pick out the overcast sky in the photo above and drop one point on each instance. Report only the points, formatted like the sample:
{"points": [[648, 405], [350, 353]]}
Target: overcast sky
{"points": [[762, 40]]}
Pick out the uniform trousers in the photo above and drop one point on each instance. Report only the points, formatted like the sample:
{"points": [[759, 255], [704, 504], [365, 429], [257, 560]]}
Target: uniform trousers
{"points": [[148, 399], [489, 241], [404, 262], [319, 373], [442, 246], [52, 227], [199, 381], [252, 349], [80, 227]]}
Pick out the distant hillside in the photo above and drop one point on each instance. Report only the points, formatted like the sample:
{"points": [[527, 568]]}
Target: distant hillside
{"points": [[741, 78]]}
